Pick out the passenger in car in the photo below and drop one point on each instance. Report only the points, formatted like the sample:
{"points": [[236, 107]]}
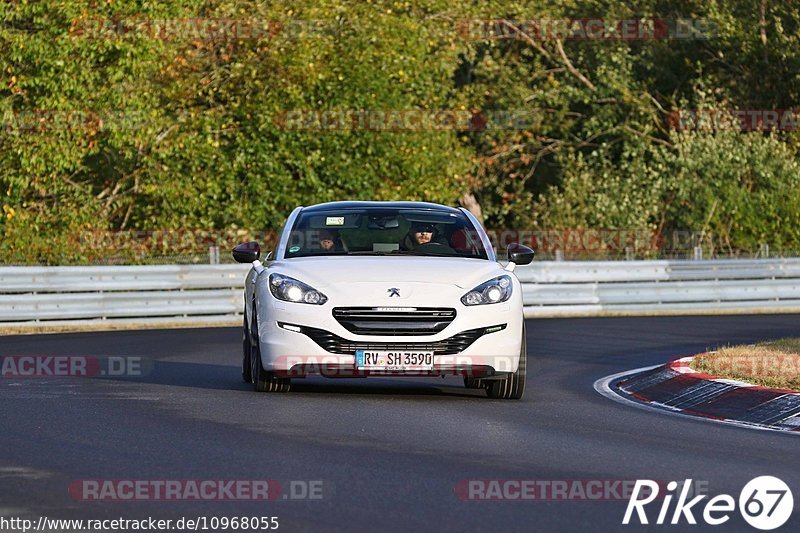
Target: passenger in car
{"points": [[329, 240]]}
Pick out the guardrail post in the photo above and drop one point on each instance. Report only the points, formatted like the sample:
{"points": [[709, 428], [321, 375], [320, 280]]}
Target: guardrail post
{"points": [[213, 255], [698, 253]]}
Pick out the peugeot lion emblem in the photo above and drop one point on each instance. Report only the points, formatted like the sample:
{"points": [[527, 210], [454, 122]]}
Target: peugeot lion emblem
{"points": [[393, 292]]}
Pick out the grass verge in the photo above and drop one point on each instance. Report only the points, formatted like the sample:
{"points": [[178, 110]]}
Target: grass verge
{"points": [[774, 364]]}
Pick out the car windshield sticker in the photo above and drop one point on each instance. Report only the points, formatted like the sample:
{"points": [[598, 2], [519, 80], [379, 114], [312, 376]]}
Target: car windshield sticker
{"points": [[334, 221], [294, 249]]}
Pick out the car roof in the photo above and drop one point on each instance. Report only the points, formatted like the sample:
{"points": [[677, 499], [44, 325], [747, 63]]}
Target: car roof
{"points": [[352, 204]]}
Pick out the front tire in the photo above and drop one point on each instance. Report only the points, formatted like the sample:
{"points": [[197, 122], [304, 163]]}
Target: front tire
{"points": [[262, 380], [512, 387]]}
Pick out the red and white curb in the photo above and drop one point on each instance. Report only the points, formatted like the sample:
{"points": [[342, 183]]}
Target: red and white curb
{"points": [[677, 389]]}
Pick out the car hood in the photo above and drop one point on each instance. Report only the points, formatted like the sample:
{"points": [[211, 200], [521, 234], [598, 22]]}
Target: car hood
{"points": [[321, 272]]}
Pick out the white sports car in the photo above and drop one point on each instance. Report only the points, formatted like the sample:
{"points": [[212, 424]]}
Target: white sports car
{"points": [[358, 289]]}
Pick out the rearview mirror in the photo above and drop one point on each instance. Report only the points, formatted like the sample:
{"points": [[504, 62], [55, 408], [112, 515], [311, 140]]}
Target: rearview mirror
{"points": [[247, 252], [520, 254]]}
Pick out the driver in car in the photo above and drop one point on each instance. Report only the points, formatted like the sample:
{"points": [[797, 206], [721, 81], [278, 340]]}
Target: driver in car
{"points": [[420, 234]]}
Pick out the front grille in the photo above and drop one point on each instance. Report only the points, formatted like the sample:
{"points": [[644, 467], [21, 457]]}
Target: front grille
{"points": [[394, 321], [451, 345]]}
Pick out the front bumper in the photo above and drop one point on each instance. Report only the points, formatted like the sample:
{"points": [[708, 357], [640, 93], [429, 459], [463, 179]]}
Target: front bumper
{"points": [[299, 339]]}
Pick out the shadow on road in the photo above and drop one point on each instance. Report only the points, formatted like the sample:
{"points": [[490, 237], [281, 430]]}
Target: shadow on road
{"points": [[224, 377]]}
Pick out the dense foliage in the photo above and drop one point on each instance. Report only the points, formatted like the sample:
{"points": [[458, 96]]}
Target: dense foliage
{"points": [[134, 116]]}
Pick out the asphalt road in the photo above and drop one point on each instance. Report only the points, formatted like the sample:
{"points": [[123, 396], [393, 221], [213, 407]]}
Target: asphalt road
{"points": [[389, 453]]}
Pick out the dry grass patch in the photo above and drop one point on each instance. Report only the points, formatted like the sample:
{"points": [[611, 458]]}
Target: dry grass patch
{"points": [[773, 364]]}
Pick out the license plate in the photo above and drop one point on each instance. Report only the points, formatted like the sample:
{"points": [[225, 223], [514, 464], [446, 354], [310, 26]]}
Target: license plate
{"points": [[393, 360]]}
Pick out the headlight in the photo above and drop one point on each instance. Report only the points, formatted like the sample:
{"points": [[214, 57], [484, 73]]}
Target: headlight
{"points": [[493, 291], [290, 290]]}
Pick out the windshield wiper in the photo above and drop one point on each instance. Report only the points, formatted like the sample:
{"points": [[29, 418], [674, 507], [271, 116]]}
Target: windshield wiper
{"points": [[401, 252], [393, 252], [367, 252]]}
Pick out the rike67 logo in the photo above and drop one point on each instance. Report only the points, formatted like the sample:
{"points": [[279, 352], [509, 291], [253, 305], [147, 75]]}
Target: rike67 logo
{"points": [[765, 503]]}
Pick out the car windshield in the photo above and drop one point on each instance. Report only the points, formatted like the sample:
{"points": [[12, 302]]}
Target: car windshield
{"points": [[384, 231]]}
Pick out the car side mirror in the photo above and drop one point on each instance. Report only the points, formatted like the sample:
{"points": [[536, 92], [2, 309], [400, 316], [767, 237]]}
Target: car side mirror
{"points": [[520, 254], [247, 252]]}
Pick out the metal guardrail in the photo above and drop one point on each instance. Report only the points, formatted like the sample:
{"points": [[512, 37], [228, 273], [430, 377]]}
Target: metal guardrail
{"points": [[563, 288], [172, 293], [213, 293]]}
